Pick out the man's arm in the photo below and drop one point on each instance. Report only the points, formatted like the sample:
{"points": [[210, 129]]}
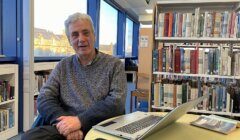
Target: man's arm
{"points": [[48, 103], [112, 105]]}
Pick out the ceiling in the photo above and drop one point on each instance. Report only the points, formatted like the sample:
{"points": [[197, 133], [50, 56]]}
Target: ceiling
{"points": [[137, 9]]}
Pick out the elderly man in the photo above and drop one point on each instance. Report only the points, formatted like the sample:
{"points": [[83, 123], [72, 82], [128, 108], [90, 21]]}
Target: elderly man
{"points": [[83, 90]]}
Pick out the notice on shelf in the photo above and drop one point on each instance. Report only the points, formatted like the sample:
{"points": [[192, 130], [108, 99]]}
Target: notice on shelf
{"points": [[143, 41]]}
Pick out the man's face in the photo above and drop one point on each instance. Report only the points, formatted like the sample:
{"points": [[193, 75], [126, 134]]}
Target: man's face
{"points": [[82, 38]]}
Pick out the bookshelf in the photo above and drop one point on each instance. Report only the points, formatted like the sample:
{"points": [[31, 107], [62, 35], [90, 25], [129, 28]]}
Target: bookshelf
{"points": [[196, 41], [41, 71], [230, 114], [44, 66], [196, 75], [9, 100]]}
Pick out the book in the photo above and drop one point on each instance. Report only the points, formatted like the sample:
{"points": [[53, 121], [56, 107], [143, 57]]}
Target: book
{"points": [[177, 60], [216, 123]]}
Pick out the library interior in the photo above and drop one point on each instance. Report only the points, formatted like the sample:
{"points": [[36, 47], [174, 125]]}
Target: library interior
{"points": [[180, 60]]}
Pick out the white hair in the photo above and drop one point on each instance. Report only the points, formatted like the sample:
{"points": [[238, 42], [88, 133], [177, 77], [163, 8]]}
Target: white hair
{"points": [[75, 17]]}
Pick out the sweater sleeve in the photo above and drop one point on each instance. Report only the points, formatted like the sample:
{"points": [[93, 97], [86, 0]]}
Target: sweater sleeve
{"points": [[48, 102], [112, 105]]}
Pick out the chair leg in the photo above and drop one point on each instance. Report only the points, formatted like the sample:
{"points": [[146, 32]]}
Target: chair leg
{"points": [[135, 102], [131, 103]]}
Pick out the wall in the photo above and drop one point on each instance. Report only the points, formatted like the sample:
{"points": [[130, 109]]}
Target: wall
{"points": [[145, 58]]}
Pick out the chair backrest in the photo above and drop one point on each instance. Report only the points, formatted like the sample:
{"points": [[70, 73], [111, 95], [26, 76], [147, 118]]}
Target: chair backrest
{"points": [[142, 86], [141, 92]]}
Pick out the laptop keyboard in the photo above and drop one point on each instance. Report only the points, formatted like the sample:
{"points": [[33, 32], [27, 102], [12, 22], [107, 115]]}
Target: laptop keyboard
{"points": [[140, 124]]}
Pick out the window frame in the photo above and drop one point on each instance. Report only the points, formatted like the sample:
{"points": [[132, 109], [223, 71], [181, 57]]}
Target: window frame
{"points": [[1, 49], [132, 37], [115, 50], [8, 31]]}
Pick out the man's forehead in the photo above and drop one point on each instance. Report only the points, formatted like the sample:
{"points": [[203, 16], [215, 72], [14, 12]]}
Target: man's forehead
{"points": [[82, 25]]}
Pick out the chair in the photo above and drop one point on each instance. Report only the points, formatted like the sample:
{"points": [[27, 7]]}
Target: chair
{"points": [[140, 94]]}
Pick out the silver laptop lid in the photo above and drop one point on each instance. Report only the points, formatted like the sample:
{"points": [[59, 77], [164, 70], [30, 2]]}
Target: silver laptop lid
{"points": [[174, 115]]}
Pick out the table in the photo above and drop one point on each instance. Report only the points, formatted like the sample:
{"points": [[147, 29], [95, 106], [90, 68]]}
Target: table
{"points": [[180, 130]]}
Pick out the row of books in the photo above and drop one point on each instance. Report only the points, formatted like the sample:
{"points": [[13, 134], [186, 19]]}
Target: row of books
{"points": [[40, 79], [6, 118], [6, 91], [208, 24], [172, 93], [212, 61]]}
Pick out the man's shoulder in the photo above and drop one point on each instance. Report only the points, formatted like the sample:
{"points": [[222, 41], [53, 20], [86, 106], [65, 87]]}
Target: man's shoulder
{"points": [[66, 60], [109, 58]]}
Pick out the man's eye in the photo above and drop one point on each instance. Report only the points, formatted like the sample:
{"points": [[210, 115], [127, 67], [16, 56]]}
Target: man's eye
{"points": [[75, 34], [86, 33]]}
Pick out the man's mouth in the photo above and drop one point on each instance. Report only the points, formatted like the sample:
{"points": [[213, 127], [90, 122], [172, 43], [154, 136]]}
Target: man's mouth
{"points": [[82, 46]]}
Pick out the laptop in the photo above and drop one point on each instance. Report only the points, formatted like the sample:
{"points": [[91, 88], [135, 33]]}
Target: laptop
{"points": [[139, 125]]}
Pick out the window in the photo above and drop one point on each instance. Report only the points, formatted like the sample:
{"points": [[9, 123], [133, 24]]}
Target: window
{"points": [[8, 31], [108, 29], [128, 38], [49, 35], [1, 49]]}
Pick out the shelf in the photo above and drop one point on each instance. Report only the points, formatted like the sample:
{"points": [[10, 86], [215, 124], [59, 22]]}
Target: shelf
{"points": [[197, 75], [174, 2], [8, 69], [41, 66], [202, 111], [10, 132], [9, 72], [199, 46], [7, 102], [188, 5], [198, 39]]}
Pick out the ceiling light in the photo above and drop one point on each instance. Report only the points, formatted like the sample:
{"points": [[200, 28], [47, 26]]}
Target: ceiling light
{"points": [[149, 11]]}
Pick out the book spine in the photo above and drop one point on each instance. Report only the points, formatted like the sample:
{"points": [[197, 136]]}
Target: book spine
{"points": [[177, 61], [170, 26], [166, 24], [161, 24]]}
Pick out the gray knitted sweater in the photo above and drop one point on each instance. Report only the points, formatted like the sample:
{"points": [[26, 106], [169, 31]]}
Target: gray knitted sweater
{"points": [[93, 93]]}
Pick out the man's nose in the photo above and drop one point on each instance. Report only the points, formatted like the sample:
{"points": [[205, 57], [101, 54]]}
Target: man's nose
{"points": [[81, 38], [81, 41]]}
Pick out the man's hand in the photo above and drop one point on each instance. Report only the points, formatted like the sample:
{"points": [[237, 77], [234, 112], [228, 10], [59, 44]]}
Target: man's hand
{"points": [[68, 124], [75, 135]]}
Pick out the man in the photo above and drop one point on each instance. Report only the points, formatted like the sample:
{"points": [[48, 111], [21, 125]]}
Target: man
{"points": [[84, 89]]}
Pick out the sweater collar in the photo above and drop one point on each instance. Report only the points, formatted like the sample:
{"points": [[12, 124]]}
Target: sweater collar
{"points": [[95, 59]]}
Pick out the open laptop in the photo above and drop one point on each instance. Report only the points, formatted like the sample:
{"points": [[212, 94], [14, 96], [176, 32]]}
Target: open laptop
{"points": [[139, 125]]}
